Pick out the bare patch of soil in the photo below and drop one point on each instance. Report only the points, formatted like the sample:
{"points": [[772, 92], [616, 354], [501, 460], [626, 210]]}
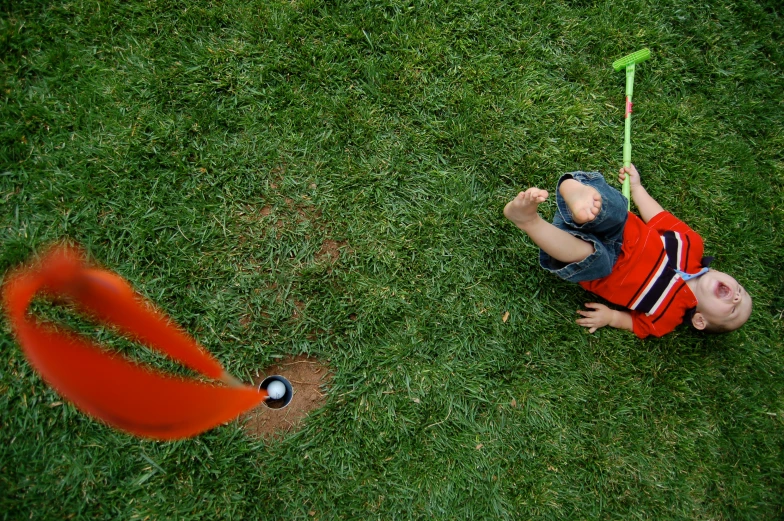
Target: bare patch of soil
{"points": [[246, 320], [330, 250], [309, 378], [298, 307]]}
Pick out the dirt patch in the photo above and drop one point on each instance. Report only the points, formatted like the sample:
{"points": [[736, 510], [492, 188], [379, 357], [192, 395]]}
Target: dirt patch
{"points": [[246, 320], [252, 214], [330, 250], [309, 378], [298, 307]]}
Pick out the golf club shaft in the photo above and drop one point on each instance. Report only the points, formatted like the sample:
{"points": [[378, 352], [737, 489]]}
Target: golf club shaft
{"points": [[627, 142]]}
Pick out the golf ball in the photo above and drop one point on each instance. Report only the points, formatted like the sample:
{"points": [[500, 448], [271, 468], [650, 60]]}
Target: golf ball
{"points": [[276, 389]]}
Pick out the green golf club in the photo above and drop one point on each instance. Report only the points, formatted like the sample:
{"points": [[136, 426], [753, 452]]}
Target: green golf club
{"points": [[628, 63]]}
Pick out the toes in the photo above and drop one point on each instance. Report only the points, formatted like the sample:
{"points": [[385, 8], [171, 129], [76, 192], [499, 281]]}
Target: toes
{"points": [[531, 196], [535, 194], [583, 215], [597, 205]]}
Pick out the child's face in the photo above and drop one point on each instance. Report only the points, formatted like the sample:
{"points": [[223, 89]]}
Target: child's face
{"points": [[722, 301]]}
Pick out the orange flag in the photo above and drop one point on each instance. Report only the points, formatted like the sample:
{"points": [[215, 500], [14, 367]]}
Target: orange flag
{"points": [[108, 386]]}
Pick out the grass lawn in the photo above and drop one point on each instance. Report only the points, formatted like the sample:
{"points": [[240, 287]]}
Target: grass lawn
{"points": [[214, 153]]}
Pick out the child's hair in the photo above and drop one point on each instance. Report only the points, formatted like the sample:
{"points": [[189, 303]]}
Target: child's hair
{"points": [[714, 329], [719, 328]]}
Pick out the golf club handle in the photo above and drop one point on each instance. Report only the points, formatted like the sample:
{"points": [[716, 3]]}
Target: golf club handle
{"points": [[626, 190], [627, 141], [627, 158]]}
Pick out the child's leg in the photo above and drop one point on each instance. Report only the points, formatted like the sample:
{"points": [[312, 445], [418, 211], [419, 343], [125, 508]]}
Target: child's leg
{"points": [[588, 204], [586, 235], [557, 243]]}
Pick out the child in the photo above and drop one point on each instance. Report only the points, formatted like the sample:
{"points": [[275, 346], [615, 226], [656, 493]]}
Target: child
{"points": [[653, 266]]}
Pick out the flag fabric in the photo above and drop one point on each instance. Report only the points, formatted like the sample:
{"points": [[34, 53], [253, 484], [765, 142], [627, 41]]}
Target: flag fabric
{"points": [[131, 397]]}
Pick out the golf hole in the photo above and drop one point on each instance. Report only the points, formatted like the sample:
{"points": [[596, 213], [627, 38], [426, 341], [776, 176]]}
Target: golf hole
{"points": [[279, 403]]}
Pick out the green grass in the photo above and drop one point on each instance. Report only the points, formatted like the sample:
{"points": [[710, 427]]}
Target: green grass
{"points": [[207, 150]]}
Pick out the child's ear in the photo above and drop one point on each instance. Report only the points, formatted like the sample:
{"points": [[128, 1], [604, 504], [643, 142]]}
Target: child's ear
{"points": [[699, 322]]}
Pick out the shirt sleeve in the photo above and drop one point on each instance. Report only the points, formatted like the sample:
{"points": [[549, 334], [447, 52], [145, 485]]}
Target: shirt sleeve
{"points": [[664, 221], [644, 325]]}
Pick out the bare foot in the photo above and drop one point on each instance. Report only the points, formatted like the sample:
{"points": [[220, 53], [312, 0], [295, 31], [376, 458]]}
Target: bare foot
{"points": [[522, 209], [583, 201]]}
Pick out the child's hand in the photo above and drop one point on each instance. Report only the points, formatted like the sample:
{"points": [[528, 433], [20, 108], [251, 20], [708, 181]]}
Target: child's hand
{"points": [[599, 317], [634, 176]]}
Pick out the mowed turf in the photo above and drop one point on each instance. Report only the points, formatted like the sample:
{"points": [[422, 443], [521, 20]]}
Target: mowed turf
{"points": [[328, 178]]}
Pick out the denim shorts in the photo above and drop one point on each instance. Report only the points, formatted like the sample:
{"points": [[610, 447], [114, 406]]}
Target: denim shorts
{"points": [[605, 232]]}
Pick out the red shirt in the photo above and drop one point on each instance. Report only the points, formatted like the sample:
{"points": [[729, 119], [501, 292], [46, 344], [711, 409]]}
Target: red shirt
{"points": [[644, 279]]}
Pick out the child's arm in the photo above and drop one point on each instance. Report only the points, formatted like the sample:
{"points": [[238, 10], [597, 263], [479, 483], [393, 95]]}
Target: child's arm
{"points": [[603, 316], [646, 205]]}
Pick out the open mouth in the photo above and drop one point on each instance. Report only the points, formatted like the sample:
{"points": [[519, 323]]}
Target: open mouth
{"points": [[723, 291]]}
